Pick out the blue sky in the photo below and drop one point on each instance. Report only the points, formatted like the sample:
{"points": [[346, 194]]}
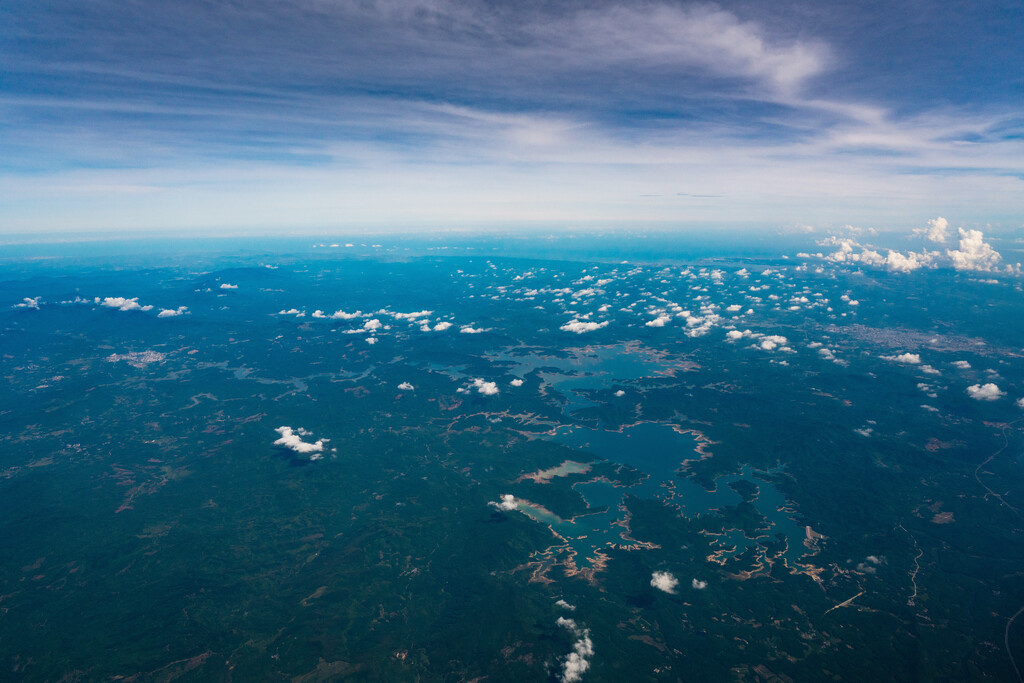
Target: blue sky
{"points": [[320, 115]]}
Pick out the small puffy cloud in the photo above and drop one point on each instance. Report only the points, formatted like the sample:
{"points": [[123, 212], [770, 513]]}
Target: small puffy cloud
{"points": [[469, 329], [371, 340], [664, 581], [985, 392], [29, 302], [292, 439], [620, 393], [172, 312], [292, 311], [373, 324], [506, 503], [734, 335], [226, 285], [659, 321], [1020, 402], [961, 364], [698, 584], [442, 326], [405, 386], [907, 358], [974, 252], [415, 315], [516, 382], [771, 342], [733, 308], [123, 304], [581, 326], [342, 315], [577, 662], [485, 388], [564, 605]]}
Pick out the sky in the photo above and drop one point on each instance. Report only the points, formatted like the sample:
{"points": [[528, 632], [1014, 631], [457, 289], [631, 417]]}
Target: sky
{"points": [[297, 116]]}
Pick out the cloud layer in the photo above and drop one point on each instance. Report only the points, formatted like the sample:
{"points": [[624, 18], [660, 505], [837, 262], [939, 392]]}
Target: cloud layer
{"points": [[320, 113]]}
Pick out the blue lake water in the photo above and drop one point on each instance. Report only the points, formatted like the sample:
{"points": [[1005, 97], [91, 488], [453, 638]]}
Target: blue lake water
{"points": [[658, 451], [586, 369]]}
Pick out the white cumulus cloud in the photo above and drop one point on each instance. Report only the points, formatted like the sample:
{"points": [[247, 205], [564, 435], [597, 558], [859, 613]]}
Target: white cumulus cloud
{"points": [[664, 581], [577, 662], [985, 392], [974, 252], [908, 358], [485, 388], [581, 326], [293, 439], [893, 261], [29, 302], [506, 503], [937, 230], [123, 304], [342, 315]]}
